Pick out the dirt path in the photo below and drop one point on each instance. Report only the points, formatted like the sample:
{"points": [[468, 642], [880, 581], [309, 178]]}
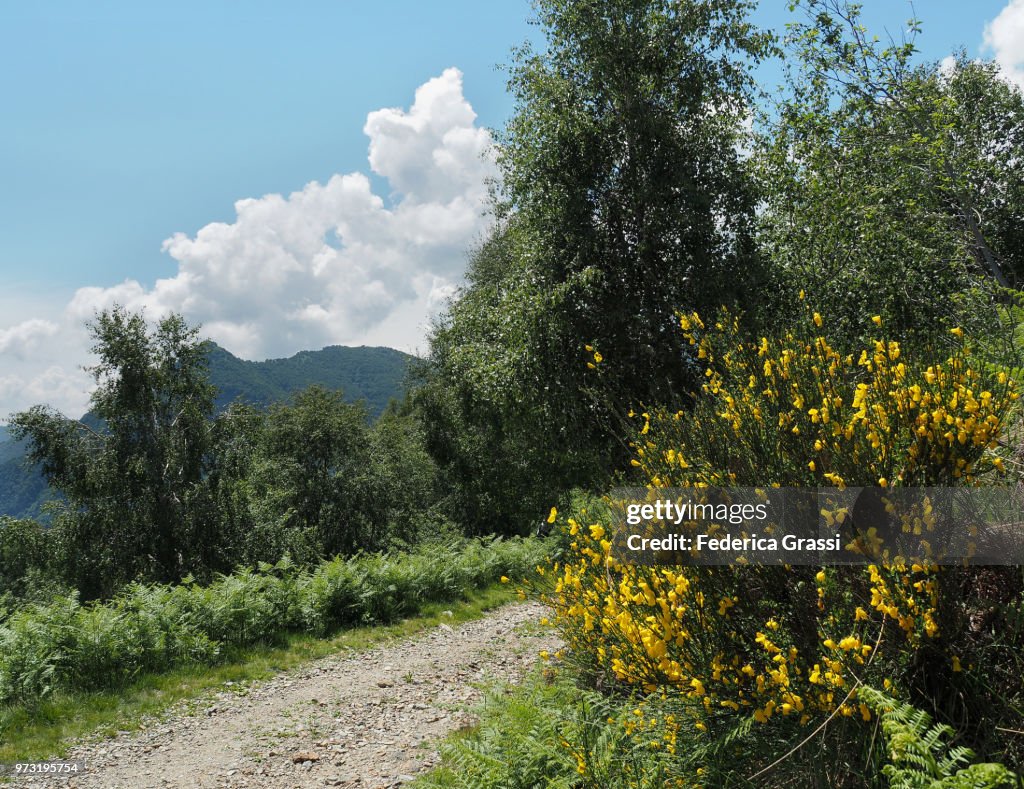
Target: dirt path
{"points": [[365, 720]]}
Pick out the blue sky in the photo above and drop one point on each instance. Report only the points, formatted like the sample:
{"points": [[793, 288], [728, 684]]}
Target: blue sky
{"points": [[126, 123]]}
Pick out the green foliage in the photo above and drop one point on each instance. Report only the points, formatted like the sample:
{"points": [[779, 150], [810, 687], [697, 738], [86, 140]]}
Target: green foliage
{"points": [[623, 199], [133, 491], [29, 563], [548, 732], [315, 469], [374, 376], [155, 488], [921, 754], [312, 478], [46, 730], [64, 644], [409, 486], [890, 188]]}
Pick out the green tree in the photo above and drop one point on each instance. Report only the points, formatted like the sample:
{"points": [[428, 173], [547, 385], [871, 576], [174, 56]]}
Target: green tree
{"points": [[133, 487], [890, 188], [314, 472], [26, 557], [406, 478], [623, 200]]}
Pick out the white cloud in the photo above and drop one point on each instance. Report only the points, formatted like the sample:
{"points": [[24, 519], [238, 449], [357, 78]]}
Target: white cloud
{"points": [[65, 390], [1004, 36], [24, 337], [333, 263]]}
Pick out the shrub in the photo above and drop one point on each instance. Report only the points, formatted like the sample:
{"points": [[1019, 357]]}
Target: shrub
{"points": [[548, 732], [921, 755], [789, 646]]}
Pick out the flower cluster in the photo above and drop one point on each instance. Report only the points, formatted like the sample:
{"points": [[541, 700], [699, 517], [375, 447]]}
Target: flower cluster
{"points": [[782, 642], [795, 411]]}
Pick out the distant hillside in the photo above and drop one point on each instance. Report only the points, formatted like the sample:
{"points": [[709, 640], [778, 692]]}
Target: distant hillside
{"points": [[22, 490], [374, 375]]}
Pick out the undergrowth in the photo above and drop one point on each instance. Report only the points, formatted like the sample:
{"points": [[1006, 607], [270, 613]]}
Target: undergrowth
{"points": [[66, 645]]}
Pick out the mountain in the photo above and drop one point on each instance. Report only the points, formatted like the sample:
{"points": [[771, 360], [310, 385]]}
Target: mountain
{"points": [[374, 375], [22, 489]]}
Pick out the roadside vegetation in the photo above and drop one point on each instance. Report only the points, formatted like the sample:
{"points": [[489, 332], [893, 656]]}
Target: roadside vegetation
{"points": [[47, 727]]}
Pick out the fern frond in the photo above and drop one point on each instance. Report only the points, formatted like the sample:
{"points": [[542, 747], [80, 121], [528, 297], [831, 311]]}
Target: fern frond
{"points": [[919, 750]]}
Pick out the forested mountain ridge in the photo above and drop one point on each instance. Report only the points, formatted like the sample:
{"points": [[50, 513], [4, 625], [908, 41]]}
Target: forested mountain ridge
{"points": [[374, 375]]}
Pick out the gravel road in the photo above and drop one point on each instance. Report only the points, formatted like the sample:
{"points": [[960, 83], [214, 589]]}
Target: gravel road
{"points": [[369, 719]]}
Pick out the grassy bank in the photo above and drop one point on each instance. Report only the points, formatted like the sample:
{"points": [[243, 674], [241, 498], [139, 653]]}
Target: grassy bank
{"points": [[47, 730], [67, 668]]}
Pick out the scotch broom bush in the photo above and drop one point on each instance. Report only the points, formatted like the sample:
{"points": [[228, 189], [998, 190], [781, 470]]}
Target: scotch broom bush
{"points": [[788, 647]]}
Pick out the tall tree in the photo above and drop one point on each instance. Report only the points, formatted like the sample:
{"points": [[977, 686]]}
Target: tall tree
{"points": [[623, 200], [892, 187], [132, 486], [317, 471]]}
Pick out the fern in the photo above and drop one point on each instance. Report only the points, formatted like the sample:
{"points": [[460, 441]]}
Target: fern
{"points": [[69, 646], [919, 751]]}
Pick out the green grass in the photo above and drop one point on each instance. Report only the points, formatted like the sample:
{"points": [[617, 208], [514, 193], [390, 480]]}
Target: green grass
{"points": [[49, 729]]}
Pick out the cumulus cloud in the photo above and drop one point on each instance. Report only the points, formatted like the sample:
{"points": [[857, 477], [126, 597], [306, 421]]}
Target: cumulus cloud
{"points": [[1004, 36], [41, 360], [65, 390], [336, 263], [332, 263], [21, 339]]}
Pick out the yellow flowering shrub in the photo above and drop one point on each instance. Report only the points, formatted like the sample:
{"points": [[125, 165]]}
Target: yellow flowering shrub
{"points": [[782, 642]]}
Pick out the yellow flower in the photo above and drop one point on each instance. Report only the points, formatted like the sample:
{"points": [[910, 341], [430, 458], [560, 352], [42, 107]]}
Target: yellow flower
{"points": [[956, 664], [598, 357], [504, 579], [957, 332], [817, 319], [552, 515], [876, 319], [811, 466]]}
